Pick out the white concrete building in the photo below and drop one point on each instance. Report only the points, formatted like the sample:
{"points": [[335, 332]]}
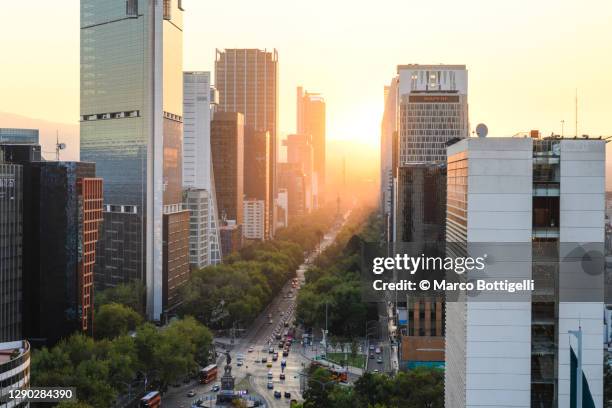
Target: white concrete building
{"points": [[525, 194], [199, 101], [254, 218]]}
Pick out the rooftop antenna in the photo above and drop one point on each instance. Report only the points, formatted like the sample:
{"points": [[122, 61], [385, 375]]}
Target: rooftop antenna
{"points": [[576, 112], [562, 128], [58, 146]]}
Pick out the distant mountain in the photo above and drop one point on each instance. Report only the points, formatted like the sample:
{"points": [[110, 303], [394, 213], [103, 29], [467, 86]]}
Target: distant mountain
{"points": [[68, 134]]}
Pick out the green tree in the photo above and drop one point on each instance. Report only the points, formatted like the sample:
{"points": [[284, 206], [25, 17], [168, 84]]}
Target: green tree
{"points": [[130, 294], [320, 385], [115, 319], [73, 404]]}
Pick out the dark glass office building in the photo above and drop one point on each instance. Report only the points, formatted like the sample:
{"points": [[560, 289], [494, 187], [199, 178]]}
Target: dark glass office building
{"points": [[11, 257], [227, 147], [62, 211]]}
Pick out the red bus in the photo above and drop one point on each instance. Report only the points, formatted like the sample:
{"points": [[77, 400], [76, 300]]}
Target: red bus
{"points": [[151, 400], [208, 374]]}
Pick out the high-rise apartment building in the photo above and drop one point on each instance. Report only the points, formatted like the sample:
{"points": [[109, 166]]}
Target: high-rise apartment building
{"points": [[537, 207], [227, 147], [254, 219], [15, 135], [247, 81], [432, 109], [131, 127], [311, 121], [199, 103], [257, 172], [11, 256]]}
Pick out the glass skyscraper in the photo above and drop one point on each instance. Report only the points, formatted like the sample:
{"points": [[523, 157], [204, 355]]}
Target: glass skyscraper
{"points": [[131, 127], [247, 81]]}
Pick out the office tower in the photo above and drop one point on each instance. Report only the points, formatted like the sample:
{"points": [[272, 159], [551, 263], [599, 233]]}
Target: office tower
{"points": [[62, 211], [11, 256], [291, 178], [231, 237], [13, 136], [199, 102], [536, 206], [421, 203], [311, 121], [254, 219], [257, 172], [301, 153], [433, 109], [387, 134], [227, 147], [247, 81], [131, 127], [14, 371], [421, 220]]}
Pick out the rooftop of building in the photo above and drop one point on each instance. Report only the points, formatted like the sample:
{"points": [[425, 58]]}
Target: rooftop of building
{"points": [[13, 349], [431, 66]]}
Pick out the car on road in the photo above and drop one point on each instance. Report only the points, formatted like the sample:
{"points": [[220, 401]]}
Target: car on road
{"points": [[274, 356], [251, 349], [270, 375], [372, 347], [270, 385], [269, 365], [376, 371], [283, 363], [281, 376], [216, 388], [285, 353], [371, 355], [287, 394], [277, 394], [191, 394], [239, 363], [264, 359], [271, 350], [378, 350], [271, 321], [379, 360]]}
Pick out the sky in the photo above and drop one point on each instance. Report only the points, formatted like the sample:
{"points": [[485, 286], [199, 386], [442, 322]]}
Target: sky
{"points": [[525, 58]]}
